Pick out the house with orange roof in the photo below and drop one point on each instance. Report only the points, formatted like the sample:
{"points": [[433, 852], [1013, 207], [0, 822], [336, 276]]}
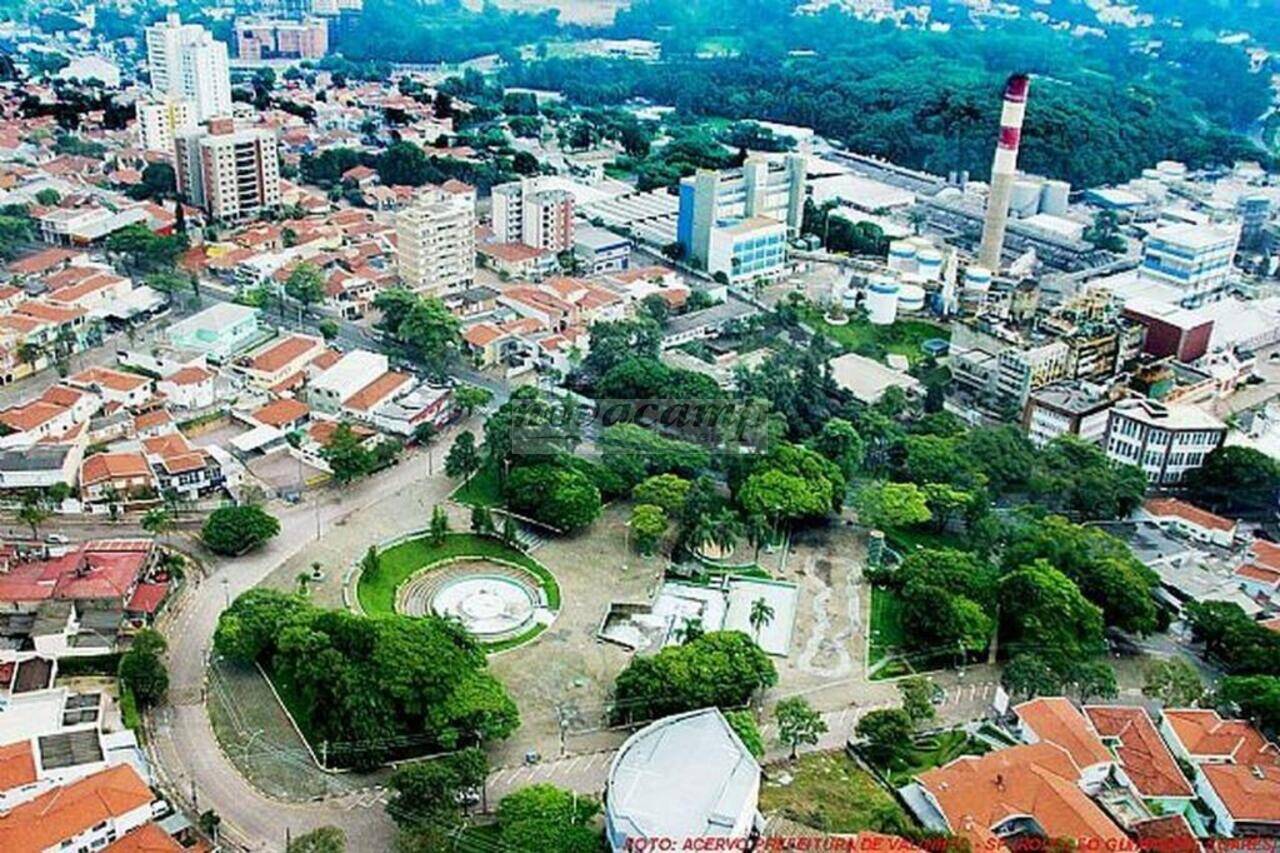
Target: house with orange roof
{"points": [[1054, 719], [1244, 799], [1261, 583], [382, 389], [279, 359], [191, 387], [92, 293], [153, 422], [121, 477], [1271, 624], [285, 414], [551, 312], [1190, 520], [1203, 737], [19, 780], [43, 262], [1142, 755], [1026, 792], [35, 421], [516, 260], [148, 838], [188, 471], [85, 815], [114, 386]]}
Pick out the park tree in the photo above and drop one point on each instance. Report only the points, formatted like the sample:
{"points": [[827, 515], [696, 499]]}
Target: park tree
{"points": [[463, 458], [426, 796], [667, 491], [917, 698], [142, 669], [744, 726], [798, 724], [1094, 680], [1173, 682], [439, 525], [33, 512], [305, 285], [481, 521], [1233, 638], [328, 329], [325, 839], [1028, 675], [469, 398], [885, 731], [648, 525], [840, 442], [892, 505], [235, 530], [783, 497], [560, 497], [248, 629], [614, 342], [157, 521], [544, 817], [1078, 477], [721, 668], [760, 616], [1047, 613], [431, 332]]}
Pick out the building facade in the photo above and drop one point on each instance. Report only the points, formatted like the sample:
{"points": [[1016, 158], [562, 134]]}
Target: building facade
{"points": [[436, 243], [257, 40], [233, 174], [714, 199], [161, 121], [524, 212], [1194, 259], [1166, 442]]}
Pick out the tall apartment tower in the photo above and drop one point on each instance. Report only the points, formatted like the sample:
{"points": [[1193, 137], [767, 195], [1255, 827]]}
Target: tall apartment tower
{"points": [[541, 218], [436, 242], [162, 120], [187, 63], [233, 174], [714, 199]]}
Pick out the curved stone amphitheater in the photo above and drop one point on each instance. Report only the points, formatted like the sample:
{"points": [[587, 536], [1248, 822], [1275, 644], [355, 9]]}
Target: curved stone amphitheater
{"points": [[492, 601]]}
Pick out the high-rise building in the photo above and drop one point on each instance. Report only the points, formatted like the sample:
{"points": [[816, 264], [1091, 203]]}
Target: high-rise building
{"points": [[525, 213], [160, 122], [1255, 212], [1194, 259], [271, 39], [233, 174], [436, 241], [186, 62], [724, 199]]}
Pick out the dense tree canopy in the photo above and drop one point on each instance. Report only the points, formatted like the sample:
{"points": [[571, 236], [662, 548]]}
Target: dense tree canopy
{"points": [[233, 530]]}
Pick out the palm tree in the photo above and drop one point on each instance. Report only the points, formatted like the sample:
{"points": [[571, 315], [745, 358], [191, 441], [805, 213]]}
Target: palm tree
{"points": [[761, 615], [918, 219], [701, 533], [158, 522], [757, 531], [303, 579], [33, 513], [726, 531]]}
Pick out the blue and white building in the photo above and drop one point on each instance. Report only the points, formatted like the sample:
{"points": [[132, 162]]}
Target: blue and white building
{"points": [[1193, 259], [748, 249]]}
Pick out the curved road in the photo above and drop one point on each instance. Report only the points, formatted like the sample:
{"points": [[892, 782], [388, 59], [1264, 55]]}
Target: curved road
{"points": [[183, 744]]}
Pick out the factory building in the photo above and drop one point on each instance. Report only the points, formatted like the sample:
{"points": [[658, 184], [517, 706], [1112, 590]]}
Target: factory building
{"points": [[712, 200]]}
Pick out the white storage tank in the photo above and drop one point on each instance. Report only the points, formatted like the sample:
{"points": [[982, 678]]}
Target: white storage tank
{"points": [[1026, 198], [910, 298], [849, 297], [977, 279], [929, 264], [1055, 197], [882, 301], [902, 256]]}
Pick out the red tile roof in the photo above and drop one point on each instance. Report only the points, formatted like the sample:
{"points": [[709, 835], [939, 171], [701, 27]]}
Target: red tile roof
{"points": [[1143, 754], [283, 353], [1056, 720], [102, 467], [1172, 507], [377, 391], [191, 376], [1262, 574], [148, 838], [65, 812], [17, 764], [1205, 734], [280, 412], [147, 597], [1249, 792]]}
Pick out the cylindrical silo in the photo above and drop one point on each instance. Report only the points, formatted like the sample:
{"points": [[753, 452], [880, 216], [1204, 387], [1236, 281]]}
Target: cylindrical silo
{"points": [[910, 298], [882, 301], [1055, 197], [1026, 197], [929, 264], [902, 256], [977, 283]]}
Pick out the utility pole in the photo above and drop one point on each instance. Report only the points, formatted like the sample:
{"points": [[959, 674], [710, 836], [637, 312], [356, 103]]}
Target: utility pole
{"points": [[195, 801]]}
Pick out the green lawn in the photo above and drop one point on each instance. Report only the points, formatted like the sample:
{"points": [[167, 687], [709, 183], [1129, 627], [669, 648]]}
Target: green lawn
{"points": [[377, 593], [887, 636], [929, 752], [482, 489], [829, 792], [902, 338]]}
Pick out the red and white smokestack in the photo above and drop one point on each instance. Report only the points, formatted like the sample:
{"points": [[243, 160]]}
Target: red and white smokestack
{"points": [[1004, 170]]}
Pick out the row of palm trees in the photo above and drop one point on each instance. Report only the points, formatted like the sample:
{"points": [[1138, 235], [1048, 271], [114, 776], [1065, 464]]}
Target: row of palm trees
{"points": [[724, 529]]}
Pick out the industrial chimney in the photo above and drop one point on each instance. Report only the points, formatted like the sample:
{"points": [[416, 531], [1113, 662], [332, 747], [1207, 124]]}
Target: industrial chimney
{"points": [[1003, 170]]}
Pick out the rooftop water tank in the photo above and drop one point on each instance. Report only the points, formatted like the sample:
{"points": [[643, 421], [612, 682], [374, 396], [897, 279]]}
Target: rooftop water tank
{"points": [[882, 301]]}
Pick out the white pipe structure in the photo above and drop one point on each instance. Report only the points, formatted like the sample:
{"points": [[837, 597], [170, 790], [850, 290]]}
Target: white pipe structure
{"points": [[1004, 170]]}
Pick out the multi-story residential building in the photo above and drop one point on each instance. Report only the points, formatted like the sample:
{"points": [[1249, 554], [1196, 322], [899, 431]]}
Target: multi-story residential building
{"points": [[711, 200], [186, 62], [1164, 441], [160, 121], [1066, 408], [1194, 259], [232, 174], [541, 217], [436, 243], [274, 39]]}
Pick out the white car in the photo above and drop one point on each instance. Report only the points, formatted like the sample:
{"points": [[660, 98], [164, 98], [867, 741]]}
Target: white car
{"points": [[56, 539]]}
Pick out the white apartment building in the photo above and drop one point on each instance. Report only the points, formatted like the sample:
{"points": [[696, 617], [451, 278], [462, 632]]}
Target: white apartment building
{"points": [[186, 62], [541, 217], [232, 174], [161, 121], [716, 199], [1164, 441], [1066, 408], [1195, 259], [436, 242]]}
